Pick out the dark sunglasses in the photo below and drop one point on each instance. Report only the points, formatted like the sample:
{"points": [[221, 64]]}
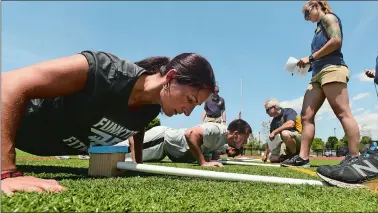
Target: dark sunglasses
{"points": [[307, 13], [267, 110], [216, 91]]}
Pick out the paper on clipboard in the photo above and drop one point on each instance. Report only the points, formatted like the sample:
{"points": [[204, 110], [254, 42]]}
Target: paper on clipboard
{"points": [[291, 66], [274, 143]]}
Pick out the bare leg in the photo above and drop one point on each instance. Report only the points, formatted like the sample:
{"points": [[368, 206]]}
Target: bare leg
{"points": [[289, 141], [274, 159], [337, 96], [313, 100]]}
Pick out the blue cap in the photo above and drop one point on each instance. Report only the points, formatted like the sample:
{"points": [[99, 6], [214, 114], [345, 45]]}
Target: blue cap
{"points": [[108, 149]]}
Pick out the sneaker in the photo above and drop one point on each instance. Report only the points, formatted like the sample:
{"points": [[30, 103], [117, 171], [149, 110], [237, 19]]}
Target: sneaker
{"points": [[62, 157], [346, 160], [353, 173], [83, 157], [297, 162], [285, 157]]}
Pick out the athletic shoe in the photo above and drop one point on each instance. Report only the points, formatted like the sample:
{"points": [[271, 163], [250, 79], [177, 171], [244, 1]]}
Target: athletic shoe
{"points": [[83, 157], [346, 160], [353, 172], [296, 161], [63, 157], [285, 157]]}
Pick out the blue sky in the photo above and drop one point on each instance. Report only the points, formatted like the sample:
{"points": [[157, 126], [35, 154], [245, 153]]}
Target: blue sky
{"points": [[249, 40]]}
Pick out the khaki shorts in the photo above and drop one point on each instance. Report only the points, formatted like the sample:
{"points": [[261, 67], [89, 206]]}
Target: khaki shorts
{"points": [[214, 120], [280, 150], [333, 73]]}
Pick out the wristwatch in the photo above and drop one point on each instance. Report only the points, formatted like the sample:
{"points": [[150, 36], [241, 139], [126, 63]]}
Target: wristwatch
{"points": [[311, 58]]}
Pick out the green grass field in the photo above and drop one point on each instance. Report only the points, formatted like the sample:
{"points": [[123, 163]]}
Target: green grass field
{"points": [[158, 193]]}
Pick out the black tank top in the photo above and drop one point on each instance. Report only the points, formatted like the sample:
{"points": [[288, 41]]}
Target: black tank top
{"points": [[98, 115]]}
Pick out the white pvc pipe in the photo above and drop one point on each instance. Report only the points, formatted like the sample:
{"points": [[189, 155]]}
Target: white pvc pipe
{"points": [[212, 174], [248, 163], [242, 160]]}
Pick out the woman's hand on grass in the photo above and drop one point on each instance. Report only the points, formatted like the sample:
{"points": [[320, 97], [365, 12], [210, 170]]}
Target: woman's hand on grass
{"points": [[29, 184]]}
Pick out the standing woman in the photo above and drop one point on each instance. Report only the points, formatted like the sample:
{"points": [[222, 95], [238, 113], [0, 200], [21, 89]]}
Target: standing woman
{"points": [[353, 173], [66, 105], [330, 76]]}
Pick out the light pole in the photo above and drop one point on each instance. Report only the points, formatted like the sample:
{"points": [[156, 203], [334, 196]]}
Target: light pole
{"points": [[259, 140], [259, 137], [241, 97]]}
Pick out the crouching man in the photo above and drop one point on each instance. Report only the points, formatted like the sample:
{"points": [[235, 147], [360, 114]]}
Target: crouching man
{"points": [[285, 132], [188, 145]]}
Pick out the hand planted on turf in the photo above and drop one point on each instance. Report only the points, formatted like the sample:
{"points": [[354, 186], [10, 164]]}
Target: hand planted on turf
{"points": [[264, 158], [214, 164], [370, 73], [29, 184], [303, 62]]}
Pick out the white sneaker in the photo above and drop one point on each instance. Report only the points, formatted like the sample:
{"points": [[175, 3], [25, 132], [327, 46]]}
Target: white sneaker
{"points": [[63, 157], [83, 157]]}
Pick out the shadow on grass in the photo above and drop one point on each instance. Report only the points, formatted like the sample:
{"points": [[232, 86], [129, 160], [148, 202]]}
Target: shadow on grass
{"points": [[82, 173], [39, 169], [77, 173]]}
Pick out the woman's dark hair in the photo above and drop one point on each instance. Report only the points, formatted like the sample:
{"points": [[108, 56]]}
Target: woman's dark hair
{"points": [[240, 125], [192, 69]]}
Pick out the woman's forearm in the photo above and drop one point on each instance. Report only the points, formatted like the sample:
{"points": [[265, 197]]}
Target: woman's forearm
{"points": [[12, 104]]}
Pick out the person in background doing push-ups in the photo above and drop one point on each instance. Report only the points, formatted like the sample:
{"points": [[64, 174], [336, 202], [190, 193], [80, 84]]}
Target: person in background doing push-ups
{"points": [[188, 145]]}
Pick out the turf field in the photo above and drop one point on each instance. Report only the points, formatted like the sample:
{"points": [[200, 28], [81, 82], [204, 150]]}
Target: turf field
{"points": [[158, 193]]}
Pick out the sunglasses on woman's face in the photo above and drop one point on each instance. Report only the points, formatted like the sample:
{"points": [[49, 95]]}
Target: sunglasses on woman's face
{"points": [[307, 13]]}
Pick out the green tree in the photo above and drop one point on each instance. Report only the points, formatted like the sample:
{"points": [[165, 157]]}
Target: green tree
{"points": [[339, 144], [332, 140], [365, 140], [254, 142], [345, 140], [247, 146], [263, 147], [153, 123], [317, 144]]}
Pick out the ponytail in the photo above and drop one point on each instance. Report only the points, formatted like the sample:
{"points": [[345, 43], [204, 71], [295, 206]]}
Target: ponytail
{"points": [[154, 64], [325, 6]]}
